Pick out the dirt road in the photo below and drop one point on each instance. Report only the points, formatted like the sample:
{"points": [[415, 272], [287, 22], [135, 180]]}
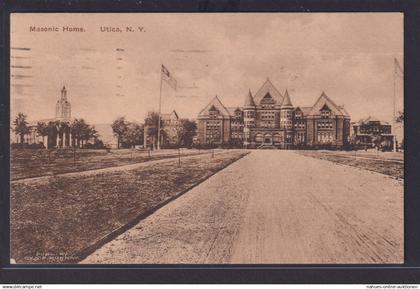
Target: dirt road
{"points": [[272, 207]]}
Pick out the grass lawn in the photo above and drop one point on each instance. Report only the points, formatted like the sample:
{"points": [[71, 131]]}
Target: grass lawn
{"points": [[58, 219], [388, 163], [28, 163]]}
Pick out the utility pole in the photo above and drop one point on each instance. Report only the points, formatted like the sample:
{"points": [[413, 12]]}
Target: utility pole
{"points": [[394, 137]]}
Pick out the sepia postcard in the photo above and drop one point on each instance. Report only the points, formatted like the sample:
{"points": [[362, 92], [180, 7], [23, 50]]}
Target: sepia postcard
{"points": [[194, 138]]}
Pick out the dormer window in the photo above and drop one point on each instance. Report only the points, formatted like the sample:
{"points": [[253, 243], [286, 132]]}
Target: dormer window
{"points": [[238, 113], [267, 101], [213, 111], [325, 112]]}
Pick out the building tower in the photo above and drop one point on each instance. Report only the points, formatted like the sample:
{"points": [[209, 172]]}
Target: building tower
{"points": [[249, 118], [63, 107], [286, 119]]}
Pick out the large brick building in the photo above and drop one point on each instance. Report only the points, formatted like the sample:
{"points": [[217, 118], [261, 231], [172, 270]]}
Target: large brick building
{"points": [[269, 119]]}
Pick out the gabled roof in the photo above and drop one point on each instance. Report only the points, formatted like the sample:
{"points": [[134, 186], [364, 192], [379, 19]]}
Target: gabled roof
{"points": [[369, 119], [343, 110], [268, 87], [286, 100], [166, 116], [232, 110], [305, 109], [322, 100], [217, 104], [249, 100]]}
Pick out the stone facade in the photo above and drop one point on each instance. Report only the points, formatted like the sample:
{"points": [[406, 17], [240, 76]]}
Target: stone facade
{"points": [[269, 119]]}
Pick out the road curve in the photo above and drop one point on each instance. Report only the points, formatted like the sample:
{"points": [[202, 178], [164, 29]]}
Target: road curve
{"points": [[272, 207]]}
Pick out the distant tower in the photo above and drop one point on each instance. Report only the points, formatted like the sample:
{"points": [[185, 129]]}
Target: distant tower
{"points": [[249, 117], [63, 107], [286, 118]]}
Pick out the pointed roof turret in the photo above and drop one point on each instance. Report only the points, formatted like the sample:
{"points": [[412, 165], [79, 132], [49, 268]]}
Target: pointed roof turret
{"points": [[63, 93], [287, 103], [249, 100]]}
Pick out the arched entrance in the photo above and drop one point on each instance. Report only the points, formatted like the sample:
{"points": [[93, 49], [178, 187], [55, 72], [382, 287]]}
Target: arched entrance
{"points": [[268, 139], [277, 139]]}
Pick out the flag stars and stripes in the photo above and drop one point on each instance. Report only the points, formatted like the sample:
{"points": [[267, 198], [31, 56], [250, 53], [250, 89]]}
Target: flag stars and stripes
{"points": [[168, 78]]}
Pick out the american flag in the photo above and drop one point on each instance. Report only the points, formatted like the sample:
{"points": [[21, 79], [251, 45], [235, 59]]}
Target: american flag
{"points": [[166, 75]]}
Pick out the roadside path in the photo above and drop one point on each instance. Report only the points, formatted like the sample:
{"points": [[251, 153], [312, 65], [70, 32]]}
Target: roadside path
{"points": [[272, 207]]}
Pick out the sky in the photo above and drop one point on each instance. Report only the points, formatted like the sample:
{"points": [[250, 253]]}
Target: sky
{"points": [[349, 56]]}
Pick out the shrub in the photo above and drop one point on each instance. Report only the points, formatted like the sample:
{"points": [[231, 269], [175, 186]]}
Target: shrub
{"points": [[98, 144], [27, 146]]}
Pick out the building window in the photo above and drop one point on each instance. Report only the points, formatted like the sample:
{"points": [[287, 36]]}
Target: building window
{"points": [[325, 114], [267, 115], [324, 124], [213, 128], [300, 124], [325, 137], [213, 125], [300, 137]]}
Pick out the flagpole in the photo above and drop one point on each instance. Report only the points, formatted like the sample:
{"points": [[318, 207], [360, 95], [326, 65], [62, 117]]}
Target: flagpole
{"points": [[160, 108]]}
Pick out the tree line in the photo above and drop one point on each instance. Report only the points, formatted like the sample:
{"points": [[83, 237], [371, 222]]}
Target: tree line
{"points": [[129, 134], [81, 132], [84, 135]]}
